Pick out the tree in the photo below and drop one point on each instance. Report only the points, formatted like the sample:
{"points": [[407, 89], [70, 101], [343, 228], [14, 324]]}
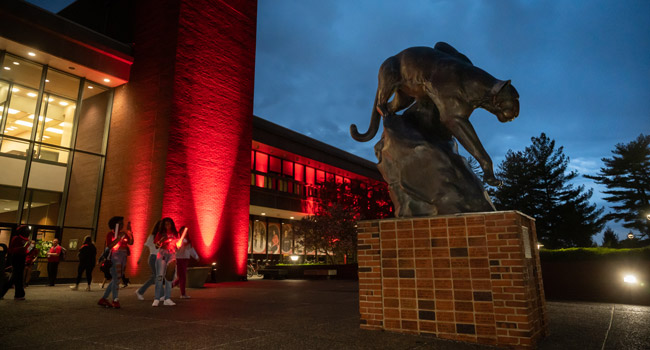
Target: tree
{"points": [[610, 240], [536, 181], [332, 229], [627, 178]]}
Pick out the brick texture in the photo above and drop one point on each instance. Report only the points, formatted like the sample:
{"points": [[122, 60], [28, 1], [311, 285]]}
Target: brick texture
{"points": [[464, 277]]}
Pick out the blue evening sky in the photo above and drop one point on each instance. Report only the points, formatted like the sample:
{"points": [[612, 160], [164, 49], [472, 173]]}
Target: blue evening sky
{"points": [[582, 68]]}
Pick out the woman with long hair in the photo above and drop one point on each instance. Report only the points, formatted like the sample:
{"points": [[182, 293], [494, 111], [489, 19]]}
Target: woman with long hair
{"points": [[165, 240], [117, 241], [153, 253]]}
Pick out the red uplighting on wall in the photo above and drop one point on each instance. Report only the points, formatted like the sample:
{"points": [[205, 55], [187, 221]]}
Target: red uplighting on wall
{"points": [[207, 170]]}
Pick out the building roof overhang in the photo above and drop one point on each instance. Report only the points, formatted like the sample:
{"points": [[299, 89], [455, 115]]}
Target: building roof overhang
{"points": [[63, 44]]}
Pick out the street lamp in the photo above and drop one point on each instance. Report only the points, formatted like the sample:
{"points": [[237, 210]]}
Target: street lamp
{"points": [[630, 235]]}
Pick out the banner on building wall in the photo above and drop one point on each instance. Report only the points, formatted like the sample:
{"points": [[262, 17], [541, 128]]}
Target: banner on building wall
{"points": [[259, 237], [298, 247], [250, 236], [287, 238], [274, 238]]}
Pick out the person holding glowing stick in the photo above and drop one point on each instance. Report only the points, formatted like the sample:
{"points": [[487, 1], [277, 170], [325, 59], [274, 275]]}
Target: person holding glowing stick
{"points": [[183, 254], [165, 241], [117, 241]]}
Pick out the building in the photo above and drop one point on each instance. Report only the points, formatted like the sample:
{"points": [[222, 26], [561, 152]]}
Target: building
{"points": [[145, 109]]}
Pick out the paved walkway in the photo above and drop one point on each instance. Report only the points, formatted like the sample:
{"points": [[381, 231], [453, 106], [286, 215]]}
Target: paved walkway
{"points": [[289, 314]]}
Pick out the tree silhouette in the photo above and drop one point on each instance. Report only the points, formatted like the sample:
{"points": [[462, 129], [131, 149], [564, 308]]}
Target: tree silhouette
{"points": [[536, 182], [627, 178]]}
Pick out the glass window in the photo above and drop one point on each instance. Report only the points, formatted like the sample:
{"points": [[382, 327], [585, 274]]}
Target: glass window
{"points": [[320, 176], [274, 165], [9, 196], [41, 207], [20, 115], [92, 118], [299, 173], [309, 175], [82, 191], [14, 148], [4, 92], [330, 177], [62, 84], [21, 71], [55, 120], [287, 168], [51, 154], [261, 162]]}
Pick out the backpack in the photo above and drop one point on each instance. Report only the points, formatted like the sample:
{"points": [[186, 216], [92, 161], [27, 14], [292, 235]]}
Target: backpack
{"points": [[62, 254]]}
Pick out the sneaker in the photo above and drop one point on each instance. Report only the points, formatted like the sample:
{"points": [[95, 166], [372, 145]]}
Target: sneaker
{"points": [[116, 304], [75, 287], [140, 296], [103, 302], [88, 288], [185, 296], [155, 302], [169, 302]]}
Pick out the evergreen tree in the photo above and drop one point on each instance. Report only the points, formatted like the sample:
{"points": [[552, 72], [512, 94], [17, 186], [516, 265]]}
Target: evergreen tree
{"points": [[627, 178], [536, 182], [610, 240]]}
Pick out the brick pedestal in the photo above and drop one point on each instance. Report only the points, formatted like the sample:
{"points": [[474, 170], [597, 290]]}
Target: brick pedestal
{"points": [[473, 277]]}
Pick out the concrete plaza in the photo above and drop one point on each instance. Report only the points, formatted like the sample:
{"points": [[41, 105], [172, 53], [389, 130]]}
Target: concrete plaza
{"points": [[286, 314]]}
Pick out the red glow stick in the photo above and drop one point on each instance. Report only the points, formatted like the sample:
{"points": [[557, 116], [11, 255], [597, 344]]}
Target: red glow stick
{"points": [[180, 240]]}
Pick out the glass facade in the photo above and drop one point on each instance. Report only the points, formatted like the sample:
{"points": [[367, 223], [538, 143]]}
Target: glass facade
{"points": [[53, 137]]}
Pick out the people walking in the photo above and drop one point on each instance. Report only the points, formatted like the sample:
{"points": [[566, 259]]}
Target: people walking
{"points": [[30, 260], [87, 257], [183, 255], [117, 241], [151, 258], [165, 240], [18, 249], [53, 258]]}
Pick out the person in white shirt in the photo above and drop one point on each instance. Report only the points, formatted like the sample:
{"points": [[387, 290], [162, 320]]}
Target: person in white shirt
{"points": [[153, 252], [183, 255]]}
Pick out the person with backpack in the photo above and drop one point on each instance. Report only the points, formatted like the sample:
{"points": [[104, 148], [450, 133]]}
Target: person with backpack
{"points": [[87, 257], [19, 246], [54, 256], [117, 241]]}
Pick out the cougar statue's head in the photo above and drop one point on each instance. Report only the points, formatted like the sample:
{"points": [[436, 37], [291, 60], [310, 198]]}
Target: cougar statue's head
{"points": [[504, 102]]}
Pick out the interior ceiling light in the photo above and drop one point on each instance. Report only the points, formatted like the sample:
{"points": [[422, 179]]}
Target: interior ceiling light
{"points": [[7, 68], [50, 99], [90, 87], [15, 89], [31, 94], [16, 63], [31, 54], [62, 125], [10, 110], [47, 80], [63, 103], [263, 214], [23, 123], [54, 130], [107, 80], [46, 137]]}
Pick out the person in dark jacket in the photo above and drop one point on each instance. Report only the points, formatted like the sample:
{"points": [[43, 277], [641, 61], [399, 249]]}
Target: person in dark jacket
{"points": [[87, 257], [18, 249]]}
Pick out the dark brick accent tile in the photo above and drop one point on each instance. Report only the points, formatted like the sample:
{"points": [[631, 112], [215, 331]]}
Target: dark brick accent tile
{"points": [[427, 315], [406, 273], [483, 296], [458, 252], [465, 328]]}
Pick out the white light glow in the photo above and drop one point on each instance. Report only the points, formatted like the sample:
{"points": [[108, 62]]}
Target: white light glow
{"points": [[291, 217], [54, 130], [631, 279], [31, 94], [16, 63], [47, 80], [262, 213], [63, 103], [15, 89], [90, 87], [7, 68], [23, 123], [31, 54], [10, 111], [50, 100], [295, 258], [46, 137], [62, 125], [31, 116], [107, 80]]}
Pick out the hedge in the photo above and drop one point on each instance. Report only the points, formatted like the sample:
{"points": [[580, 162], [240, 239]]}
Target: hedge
{"points": [[591, 254]]}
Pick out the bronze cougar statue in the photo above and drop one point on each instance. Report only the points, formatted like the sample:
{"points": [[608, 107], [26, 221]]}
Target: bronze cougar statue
{"points": [[447, 78]]}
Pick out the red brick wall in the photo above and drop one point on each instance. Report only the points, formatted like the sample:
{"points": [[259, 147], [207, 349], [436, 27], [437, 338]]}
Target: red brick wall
{"points": [[462, 277], [180, 134]]}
